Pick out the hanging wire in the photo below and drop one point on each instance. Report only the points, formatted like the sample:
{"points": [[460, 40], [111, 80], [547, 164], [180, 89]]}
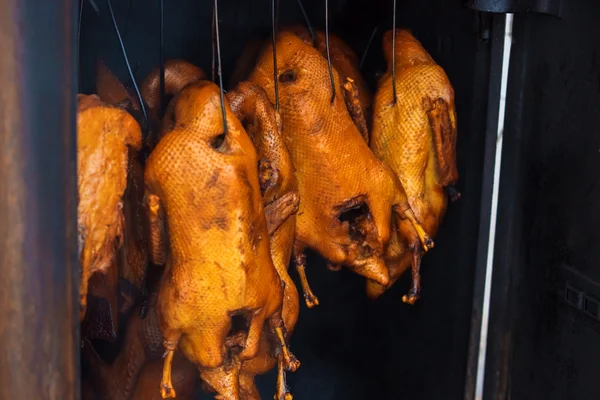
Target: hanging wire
{"points": [[94, 6], [394, 94], [308, 25], [216, 15], [364, 56], [214, 50], [127, 18], [274, 15], [162, 56], [327, 46], [80, 17], [135, 86]]}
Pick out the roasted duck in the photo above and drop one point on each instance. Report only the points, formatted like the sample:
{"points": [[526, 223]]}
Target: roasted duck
{"points": [[207, 223], [279, 189], [416, 137], [133, 372], [337, 172], [130, 267], [104, 136], [178, 74]]}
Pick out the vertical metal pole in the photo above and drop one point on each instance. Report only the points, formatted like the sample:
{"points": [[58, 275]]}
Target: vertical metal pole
{"points": [[39, 309]]}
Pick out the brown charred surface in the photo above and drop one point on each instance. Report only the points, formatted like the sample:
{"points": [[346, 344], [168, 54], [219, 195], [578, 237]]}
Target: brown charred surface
{"points": [[251, 105], [105, 134], [416, 137], [218, 261], [336, 170]]}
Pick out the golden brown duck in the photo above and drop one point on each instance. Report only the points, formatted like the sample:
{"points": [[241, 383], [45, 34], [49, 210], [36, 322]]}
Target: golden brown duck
{"points": [[132, 260], [336, 170], [416, 137], [344, 60], [104, 136], [279, 189], [204, 185], [133, 371]]}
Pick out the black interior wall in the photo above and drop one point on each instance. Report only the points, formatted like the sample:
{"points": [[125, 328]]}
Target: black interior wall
{"points": [[542, 347], [349, 348]]}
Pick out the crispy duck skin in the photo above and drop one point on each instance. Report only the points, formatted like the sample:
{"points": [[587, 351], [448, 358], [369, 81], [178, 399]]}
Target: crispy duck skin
{"points": [[218, 265], [279, 188], [133, 258], [104, 136], [336, 170], [416, 137], [346, 62]]}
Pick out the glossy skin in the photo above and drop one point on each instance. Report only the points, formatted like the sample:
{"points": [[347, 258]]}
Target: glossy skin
{"points": [[416, 137], [104, 136], [178, 74], [336, 170], [343, 59], [279, 186], [218, 262]]}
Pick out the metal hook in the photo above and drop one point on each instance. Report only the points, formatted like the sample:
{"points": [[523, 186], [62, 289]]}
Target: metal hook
{"points": [[308, 25], [162, 57], [364, 56], [328, 55], [394, 94], [135, 86], [216, 14], [274, 14]]}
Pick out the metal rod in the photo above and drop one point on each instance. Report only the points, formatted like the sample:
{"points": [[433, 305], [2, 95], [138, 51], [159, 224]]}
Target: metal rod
{"points": [[162, 57], [394, 94], [274, 9], [364, 56], [329, 55], [216, 13], [135, 86], [39, 306], [308, 24]]}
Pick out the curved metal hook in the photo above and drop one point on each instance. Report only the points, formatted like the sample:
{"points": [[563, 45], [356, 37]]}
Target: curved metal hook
{"points": [[308, 25], [216, 19], [328, 55], [135, 86]]}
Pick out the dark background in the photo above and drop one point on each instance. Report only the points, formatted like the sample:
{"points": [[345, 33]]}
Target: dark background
{"points": [[540, 346], [349, 347]]}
